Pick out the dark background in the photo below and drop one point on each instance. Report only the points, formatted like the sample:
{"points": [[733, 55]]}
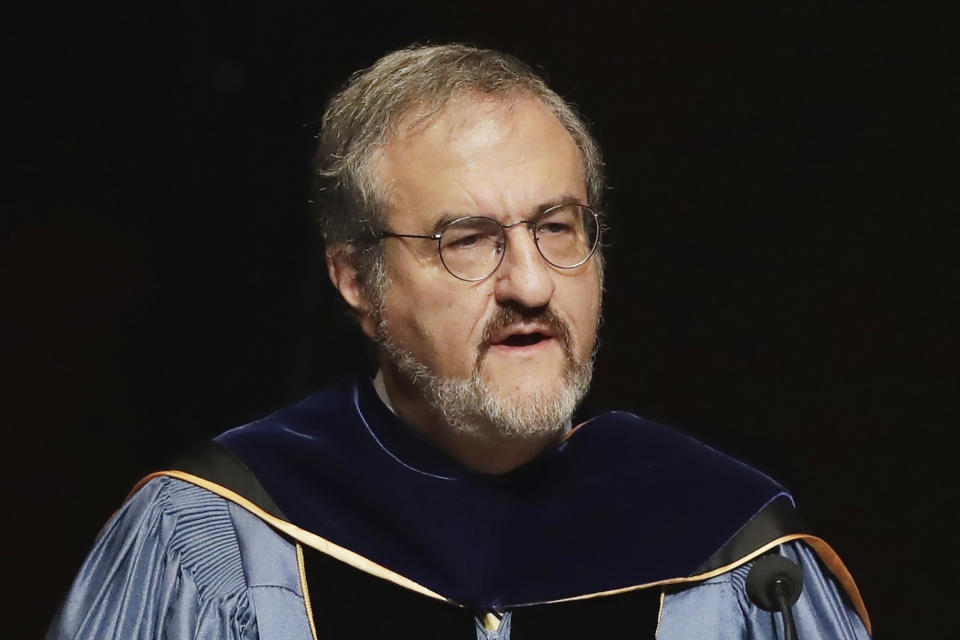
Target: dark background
{"points": [[777, 277]]}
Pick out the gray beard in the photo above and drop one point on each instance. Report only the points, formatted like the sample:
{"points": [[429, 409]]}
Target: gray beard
{"points": [[469, 405]]}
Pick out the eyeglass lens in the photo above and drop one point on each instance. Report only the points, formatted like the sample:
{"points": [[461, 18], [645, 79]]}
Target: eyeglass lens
{"points": [[472, 248]]}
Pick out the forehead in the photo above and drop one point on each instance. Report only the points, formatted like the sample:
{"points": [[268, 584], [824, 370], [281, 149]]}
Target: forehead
{"points": [[505, 158]]}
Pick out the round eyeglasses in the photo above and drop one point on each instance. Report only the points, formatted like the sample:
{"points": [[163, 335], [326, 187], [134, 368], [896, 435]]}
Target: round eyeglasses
{"points": [[472, 248]]}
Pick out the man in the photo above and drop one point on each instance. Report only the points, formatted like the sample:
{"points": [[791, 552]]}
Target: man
{"points": [[451, 496]]}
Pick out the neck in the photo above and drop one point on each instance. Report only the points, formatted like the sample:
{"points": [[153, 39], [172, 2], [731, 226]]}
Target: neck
{"points": [[481, 449]]}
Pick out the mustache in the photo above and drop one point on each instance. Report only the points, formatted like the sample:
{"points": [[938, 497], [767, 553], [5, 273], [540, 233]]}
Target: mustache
{"points": [[507, 316]]}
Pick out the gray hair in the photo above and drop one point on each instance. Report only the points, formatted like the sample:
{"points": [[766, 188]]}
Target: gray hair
{"points": [[363, 117]]}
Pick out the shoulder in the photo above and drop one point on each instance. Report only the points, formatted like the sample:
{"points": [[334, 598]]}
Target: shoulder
{"points": [[721, 607], [168, 561], [195, 528], [643, 448], [636, 433], [208, 535], [178, 559], [232, 555], [173, 499]]}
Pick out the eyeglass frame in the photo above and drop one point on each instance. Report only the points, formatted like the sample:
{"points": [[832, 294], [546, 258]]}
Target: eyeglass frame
{"points": [[532, 224]]}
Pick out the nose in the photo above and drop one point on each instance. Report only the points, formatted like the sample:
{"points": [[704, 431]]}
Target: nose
{"points": [[524, 277]]}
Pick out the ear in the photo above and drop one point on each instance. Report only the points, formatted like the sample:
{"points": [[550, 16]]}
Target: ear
{"points": [[346, 278]]}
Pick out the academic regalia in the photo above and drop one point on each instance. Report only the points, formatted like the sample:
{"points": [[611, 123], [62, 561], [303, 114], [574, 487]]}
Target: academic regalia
{"points": [[332, 518]]}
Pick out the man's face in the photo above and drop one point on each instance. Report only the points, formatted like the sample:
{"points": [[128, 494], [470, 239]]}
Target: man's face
{"points": [[526, 331]]}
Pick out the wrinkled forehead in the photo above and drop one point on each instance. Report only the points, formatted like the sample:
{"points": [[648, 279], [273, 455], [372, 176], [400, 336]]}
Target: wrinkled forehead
{"points": [[475, 139]]}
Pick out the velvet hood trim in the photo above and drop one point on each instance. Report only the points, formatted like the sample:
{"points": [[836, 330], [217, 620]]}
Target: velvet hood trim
{"points": [[621, 504]]}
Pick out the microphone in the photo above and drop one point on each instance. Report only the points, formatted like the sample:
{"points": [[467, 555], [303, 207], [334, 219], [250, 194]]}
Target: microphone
{"points": [[774, 584]]}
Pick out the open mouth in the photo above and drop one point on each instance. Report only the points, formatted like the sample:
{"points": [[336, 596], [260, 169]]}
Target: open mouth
{"points": [[523, 339]]}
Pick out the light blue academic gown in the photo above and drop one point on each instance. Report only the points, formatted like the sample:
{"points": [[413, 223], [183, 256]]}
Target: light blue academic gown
{"points": [[179, 562]]}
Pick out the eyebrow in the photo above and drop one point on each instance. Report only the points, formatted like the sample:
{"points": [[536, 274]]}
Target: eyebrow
{"points": [[450, 216], [564, 199], [444, 220]]}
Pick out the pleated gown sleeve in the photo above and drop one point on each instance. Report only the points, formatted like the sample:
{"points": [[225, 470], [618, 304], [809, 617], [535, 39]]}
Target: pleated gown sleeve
{"points": [[180, 562], [720, 608]]}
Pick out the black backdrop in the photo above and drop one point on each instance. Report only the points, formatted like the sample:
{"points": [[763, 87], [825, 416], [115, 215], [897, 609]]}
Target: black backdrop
{"points": [[772, 271]]}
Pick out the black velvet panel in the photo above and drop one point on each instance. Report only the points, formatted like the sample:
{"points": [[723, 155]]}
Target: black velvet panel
{"points": [[348, 603], [621, 502]]}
